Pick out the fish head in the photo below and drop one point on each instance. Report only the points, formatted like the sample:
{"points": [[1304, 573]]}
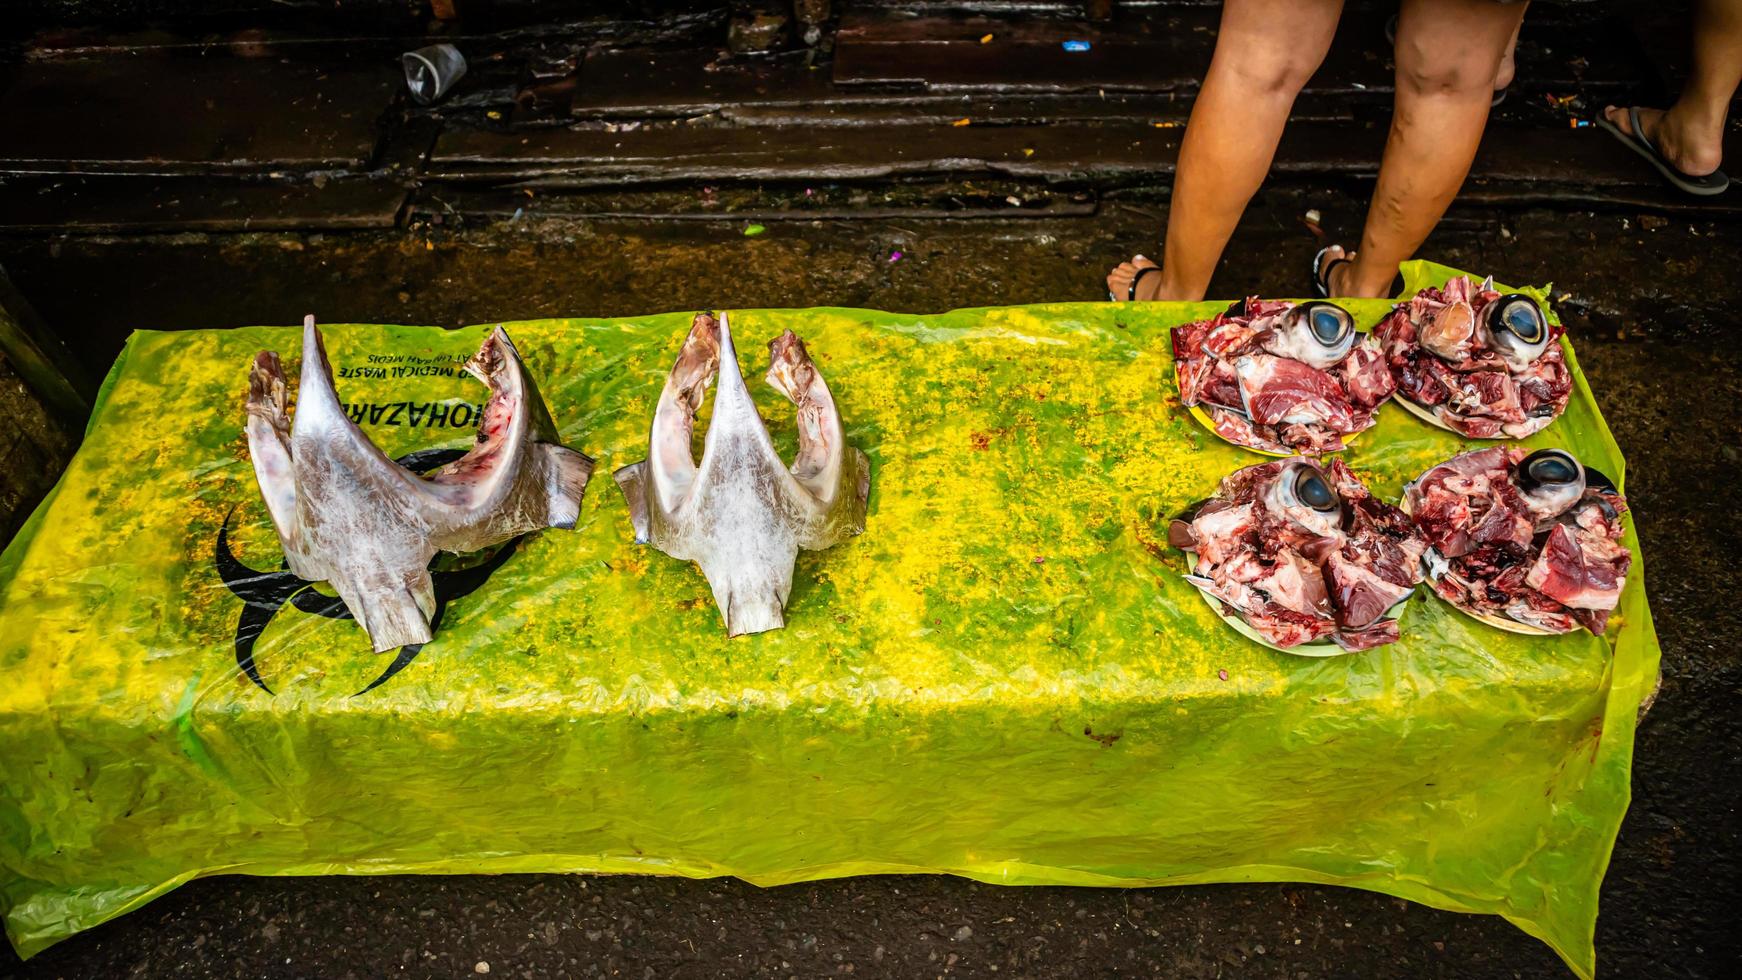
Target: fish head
{"points": [[1303, 494], [698, 362], [1448, 331], [790, 370], [1319, 334], [1551, 480], [1514, 327]]}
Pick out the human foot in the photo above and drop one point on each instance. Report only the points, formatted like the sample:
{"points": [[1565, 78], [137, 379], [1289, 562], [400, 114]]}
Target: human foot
{"points": [[1339, 274], [1331, 268], [1120, 280], [1694, 148]]}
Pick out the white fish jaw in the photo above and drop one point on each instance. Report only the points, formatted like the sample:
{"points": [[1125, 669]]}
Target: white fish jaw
{"points": [[742, 514], [353, 517]]}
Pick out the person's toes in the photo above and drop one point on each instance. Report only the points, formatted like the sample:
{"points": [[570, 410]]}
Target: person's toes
{"points": [[1328, 260], [1338, 277], [1119, 280], [1150, 287], [1648, 119]]}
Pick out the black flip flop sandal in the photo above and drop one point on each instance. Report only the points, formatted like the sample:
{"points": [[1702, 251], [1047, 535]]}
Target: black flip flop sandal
{"points": [[1706, 186], [1322, 272], [1131, 293]]}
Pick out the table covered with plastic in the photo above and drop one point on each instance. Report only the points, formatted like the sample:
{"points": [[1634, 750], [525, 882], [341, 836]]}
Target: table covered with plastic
{"points": [[1005, 677]]}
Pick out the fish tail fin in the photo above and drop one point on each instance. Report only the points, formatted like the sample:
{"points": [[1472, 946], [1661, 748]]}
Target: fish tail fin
{"points": [[393, 613], [863, 489], [633, 480], [754, 612], [567, 482]]}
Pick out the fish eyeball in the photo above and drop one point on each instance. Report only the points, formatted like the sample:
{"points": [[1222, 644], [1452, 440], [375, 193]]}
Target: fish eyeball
{"points": [[1329, 322], [1550, 469], [1329, 325], [1516, 325], [1313, 490]]}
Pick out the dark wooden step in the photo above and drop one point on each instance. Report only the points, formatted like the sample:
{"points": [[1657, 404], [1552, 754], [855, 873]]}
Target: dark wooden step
{"points": [[106, 204], [681, 83], [681, 152], [665, 82], [978, 201], [673, 152], [192, 114], [1168, 49], [1023, 54]]}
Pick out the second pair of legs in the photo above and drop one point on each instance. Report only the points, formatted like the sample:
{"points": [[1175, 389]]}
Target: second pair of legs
{"points": [[1451, 56]]}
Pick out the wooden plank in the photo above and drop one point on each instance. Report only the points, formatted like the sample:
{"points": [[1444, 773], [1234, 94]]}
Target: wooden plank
{"points": [[1169, 50], [90, 205], [653, 82], [664, 83], [1024, 54], [34, 444], [1581, 158], [192, 114], [1004, 109], [532, 202], [668, 153], [42, 359], [677, 152]]}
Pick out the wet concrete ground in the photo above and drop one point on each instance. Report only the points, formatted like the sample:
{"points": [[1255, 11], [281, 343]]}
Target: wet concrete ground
{"points": [[1652, 304]]}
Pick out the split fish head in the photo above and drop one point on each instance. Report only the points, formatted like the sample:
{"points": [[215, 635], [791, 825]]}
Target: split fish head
{"points": [[348, 514], [1319, 334], [1515, 327], [1449, 330], [1304, 494], [741, 513]]}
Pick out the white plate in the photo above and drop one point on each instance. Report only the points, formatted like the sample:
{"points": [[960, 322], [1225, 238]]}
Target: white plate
{"points": [[1207, 421], [1430, 418], [1422, 413], [1318, 650], [1506, 623]]}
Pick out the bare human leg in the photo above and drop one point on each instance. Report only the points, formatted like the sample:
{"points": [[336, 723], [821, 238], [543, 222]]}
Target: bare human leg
{"points": [[1690, 134], [1508, 62], [1449, 53], [1265, 52]]}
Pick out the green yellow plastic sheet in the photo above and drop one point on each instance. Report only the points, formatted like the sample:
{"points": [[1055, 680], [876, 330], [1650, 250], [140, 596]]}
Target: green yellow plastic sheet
{"points": [[1003, 678]]}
